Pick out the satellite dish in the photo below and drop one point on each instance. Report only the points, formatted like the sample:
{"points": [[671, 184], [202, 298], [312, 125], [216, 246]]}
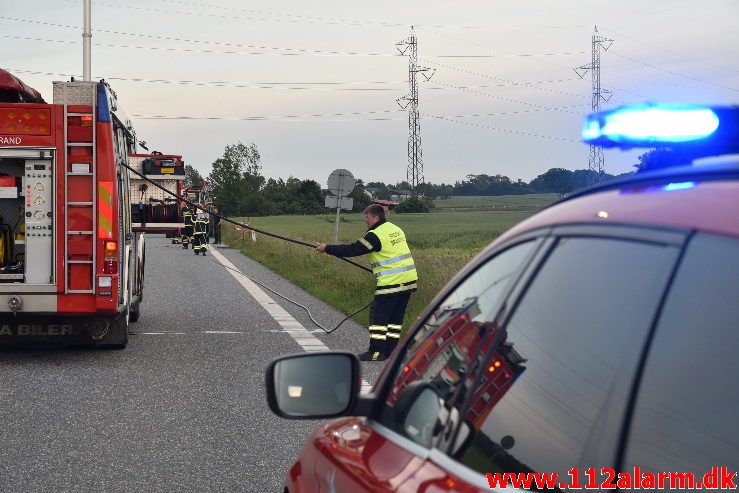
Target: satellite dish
{"points": [[341, 182]]}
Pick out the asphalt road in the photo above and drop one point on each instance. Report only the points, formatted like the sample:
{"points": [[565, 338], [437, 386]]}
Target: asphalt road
{"points": [[183, 407]]}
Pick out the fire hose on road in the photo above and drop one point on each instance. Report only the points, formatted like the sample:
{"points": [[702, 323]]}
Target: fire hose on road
{"points": [[266, 233]]}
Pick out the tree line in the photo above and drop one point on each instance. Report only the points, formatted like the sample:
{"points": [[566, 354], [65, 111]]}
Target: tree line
{"points": [[239, 189]]}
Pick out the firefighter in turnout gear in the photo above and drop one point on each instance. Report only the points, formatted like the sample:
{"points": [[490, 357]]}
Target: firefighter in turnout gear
{"points": [[187, 233], [201, 234], [393, 266]]}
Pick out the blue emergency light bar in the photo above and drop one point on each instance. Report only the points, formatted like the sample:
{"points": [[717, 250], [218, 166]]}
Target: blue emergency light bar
{"points": [[672, 126]]}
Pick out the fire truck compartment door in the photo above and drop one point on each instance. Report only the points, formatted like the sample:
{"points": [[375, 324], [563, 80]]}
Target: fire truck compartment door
{"points": [[38, 200]]}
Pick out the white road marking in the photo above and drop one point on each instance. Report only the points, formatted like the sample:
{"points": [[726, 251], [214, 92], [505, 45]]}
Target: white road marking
{"points": [[161, 333], [223, 332], [305, 339]]}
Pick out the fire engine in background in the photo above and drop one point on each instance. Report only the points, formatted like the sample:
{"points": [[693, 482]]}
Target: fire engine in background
{"points": [[199, 194], [71, 266], [152, 209]]}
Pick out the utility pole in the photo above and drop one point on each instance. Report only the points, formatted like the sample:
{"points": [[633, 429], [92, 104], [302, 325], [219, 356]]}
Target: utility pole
{"points": [[414, 173], [87, 40], [596, 162]]}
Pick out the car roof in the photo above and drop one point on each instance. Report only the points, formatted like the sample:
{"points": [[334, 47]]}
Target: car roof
{"points": [[701, 198]]}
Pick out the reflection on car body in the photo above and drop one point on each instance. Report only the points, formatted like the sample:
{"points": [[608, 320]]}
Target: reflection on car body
{"points": [[599, 333]]}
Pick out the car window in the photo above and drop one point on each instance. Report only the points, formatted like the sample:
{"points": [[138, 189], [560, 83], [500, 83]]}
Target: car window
{"points": [[687, 413], [443, 350], [552, 394]]}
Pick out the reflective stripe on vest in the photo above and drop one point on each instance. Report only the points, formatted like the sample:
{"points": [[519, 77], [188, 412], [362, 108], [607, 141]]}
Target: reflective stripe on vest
{"points": [[391, 260], [393, 264], [395, 271]]}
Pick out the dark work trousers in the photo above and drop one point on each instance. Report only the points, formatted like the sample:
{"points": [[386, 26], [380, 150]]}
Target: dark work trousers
{"points": [[217, 232], [386, 321], [187, 235], [200, 239]]}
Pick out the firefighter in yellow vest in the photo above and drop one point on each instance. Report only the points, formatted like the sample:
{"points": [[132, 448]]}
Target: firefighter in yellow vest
{"points": [[187, 237], [393, 266]]}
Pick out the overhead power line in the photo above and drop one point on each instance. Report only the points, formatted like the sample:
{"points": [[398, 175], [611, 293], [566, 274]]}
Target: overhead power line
{"points": [[542, 59], [498, 129], [314, 19], [533, 85], [287, 51], [692, 59], [280, 17], [357, 113], [672, 72], [281, 51], [280, 117], [512, 55], [323, 85], [501, 98]]}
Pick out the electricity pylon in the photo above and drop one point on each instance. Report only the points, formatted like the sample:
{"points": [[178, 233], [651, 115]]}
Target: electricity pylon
{"points": [[414, 173], [596, 163]]}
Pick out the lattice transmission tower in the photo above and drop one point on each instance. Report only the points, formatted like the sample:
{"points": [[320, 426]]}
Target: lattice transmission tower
{"points": [[596, 162], [415, 158]]}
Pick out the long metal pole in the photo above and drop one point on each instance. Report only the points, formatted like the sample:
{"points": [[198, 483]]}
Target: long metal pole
{"points": [[87, 40], [338, 213]]}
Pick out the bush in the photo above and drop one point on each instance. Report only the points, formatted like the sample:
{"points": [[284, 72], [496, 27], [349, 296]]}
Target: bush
{"points": [[415, 204]]}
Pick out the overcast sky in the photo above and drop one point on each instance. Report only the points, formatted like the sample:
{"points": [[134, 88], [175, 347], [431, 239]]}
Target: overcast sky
{"points": [[314, 84]]}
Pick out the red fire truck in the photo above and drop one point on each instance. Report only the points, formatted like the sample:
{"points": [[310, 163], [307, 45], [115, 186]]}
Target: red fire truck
{"points": [[458, 335], [71, 265], [152, 209]]}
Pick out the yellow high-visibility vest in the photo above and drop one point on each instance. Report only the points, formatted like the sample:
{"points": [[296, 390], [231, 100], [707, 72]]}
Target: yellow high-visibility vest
{"points": [[393, 265]]}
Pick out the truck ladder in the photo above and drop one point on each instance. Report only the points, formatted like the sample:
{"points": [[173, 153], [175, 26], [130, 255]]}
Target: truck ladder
{"points": [[80, 257]]}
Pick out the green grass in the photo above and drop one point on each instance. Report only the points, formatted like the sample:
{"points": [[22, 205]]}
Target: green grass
{"points": [[531, 202], [441, 244]]}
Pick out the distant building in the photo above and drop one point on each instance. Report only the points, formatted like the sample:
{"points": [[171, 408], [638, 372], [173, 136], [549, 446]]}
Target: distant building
{"points": [[372, 192], [401, 195], [387, 204]]}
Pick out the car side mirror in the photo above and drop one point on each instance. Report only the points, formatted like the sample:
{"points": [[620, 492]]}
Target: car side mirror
{"points": [[419, 410], [422, 411], [318, 385]]}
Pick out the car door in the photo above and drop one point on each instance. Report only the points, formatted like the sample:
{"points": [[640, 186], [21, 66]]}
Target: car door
{"points": [[382, 453], [686, 416], [552, 393]]}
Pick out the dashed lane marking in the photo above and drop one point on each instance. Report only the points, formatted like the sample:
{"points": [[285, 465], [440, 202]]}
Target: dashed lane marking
{"points": [[161, 333], [305, 339]]}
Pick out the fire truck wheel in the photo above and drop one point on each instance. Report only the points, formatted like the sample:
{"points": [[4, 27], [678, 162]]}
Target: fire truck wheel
{"points": [[135, 313], [118, 336]]}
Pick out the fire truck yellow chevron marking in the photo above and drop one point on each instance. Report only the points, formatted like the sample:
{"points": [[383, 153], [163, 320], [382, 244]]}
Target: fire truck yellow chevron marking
{"points": [[105, 209]]}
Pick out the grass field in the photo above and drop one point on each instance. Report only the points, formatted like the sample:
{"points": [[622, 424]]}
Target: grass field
{"points": [[531, 202], [441, 244]]}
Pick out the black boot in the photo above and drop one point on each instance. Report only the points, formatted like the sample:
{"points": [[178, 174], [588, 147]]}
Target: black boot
{"points": [[372, 356], [376, 351]]}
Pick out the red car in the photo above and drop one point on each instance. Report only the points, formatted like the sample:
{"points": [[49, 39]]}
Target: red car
{"points": [[592, 344]]}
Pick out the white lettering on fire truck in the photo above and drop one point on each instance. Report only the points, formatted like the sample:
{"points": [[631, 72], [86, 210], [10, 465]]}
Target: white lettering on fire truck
{"points": [[38, 330], [11, 140]]}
